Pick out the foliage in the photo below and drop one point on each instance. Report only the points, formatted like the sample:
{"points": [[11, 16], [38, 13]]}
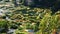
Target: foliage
{"points": [[3, 24], [48, 24], [38, 19]]}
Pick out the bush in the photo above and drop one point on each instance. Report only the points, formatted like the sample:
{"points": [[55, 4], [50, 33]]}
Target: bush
{"points": [[3, 26]]}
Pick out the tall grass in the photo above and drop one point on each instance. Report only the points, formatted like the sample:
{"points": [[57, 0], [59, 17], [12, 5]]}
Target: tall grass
{"points": [[48, 24]]}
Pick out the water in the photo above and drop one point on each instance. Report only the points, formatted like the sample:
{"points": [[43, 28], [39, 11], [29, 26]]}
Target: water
{"points": [[11, 31], [30, 31], [1, 29], [1, 12]]}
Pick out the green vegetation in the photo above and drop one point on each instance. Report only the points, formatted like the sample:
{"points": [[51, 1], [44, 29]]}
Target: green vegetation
{"points": [[23, 18], [37, 19]]}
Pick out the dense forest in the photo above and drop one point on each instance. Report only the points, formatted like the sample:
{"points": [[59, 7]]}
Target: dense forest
{"points": [[29, 16]]}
